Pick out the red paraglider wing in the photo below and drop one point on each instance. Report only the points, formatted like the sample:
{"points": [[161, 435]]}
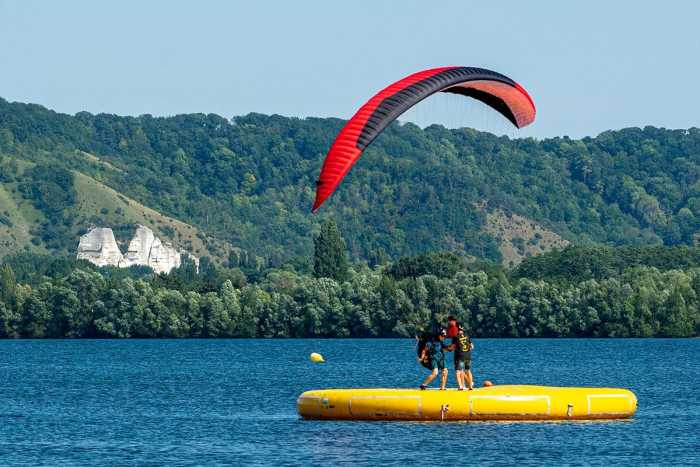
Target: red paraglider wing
{"points": [[494, 89]]}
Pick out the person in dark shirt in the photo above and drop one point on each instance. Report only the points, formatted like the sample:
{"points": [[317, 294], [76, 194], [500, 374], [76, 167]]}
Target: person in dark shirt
{"points": [[462, 347], [434, 355]]}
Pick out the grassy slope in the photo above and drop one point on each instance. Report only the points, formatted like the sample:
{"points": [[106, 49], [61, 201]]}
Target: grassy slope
{"points": [[22, 216], [99, 205], [94, 196], [520, 237], [14, 231]]}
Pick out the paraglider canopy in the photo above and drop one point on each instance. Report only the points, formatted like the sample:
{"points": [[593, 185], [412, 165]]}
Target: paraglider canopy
{"points": [[493, 89]]}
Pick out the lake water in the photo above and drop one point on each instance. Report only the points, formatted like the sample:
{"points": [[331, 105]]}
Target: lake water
{"points": [[233, 402]]}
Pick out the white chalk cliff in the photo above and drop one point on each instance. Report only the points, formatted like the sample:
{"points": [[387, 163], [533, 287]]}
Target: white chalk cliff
{"points": [[99, 247], [139, 247], [145, 249]]}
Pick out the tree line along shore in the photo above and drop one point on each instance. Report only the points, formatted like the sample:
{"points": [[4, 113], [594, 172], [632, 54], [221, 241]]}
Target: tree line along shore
{"points": [[576, 292]]}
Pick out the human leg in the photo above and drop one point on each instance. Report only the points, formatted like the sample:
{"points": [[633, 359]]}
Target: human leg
{"points": [[460, 379], [459, 372], [443, 380], [429, 379], [468, 374]]}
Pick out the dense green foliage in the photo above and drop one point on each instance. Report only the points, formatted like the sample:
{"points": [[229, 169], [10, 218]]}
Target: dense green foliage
{"points": [[330, 259], [250, 181], [577, 264], [50, 188], [69, 298], [440, 264]]}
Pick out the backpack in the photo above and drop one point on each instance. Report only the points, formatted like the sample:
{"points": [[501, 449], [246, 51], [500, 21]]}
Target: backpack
{"points": [[423, 338]]}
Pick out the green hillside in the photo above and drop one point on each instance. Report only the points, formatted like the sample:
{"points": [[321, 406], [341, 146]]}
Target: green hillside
{"points": [[223, 188], [249, 182], [96, 205], [15, 223]]}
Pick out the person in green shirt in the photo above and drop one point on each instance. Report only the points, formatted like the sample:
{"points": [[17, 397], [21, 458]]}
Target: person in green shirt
{"points": [[434, 355]]}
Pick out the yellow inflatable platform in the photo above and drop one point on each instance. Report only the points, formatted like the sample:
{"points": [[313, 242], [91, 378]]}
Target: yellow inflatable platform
{"points": [[488, 403]]}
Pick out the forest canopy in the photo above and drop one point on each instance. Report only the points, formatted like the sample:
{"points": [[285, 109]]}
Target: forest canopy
{"points": [[56, 297], [250, 181]]}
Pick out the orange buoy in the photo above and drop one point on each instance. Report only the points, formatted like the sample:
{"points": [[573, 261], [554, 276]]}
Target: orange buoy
{"points": [[487, 383]]}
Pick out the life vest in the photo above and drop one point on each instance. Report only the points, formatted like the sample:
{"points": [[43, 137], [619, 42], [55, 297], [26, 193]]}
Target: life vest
{"points": [[435, 347], [452, 331], [464, 343]]}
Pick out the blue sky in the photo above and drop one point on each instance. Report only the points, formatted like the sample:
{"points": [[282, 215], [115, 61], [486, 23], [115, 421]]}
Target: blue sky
{"points": [[589, 65]]}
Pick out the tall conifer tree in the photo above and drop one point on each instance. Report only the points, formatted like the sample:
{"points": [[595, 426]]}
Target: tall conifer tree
{"points": [[330, 258]]}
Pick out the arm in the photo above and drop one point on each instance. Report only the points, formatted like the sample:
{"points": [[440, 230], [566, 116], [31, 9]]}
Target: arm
{"points": [[422, 354]]}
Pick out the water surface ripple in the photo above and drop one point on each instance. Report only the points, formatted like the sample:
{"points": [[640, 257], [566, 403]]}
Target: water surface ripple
{"points": [[213, 402]]}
